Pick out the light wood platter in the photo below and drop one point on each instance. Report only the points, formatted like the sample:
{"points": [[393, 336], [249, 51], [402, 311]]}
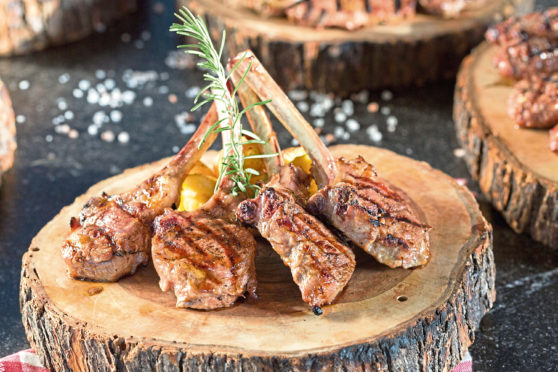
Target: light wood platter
{"points": [[515, 168], [420, 50], [422, 319], [30, 25]]}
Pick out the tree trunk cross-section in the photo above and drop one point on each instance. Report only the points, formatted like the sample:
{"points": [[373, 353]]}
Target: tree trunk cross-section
{"points": [[7, 131], [515, 168], [385, 320], [424, 49], [29, 25]]}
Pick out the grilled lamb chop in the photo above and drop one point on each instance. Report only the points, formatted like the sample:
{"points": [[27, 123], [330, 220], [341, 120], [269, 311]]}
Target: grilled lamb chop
{"points": [[379, 218], [320, 265], [528, 44], [113, 234], [204, 256], [448, 8], [534, 102]]}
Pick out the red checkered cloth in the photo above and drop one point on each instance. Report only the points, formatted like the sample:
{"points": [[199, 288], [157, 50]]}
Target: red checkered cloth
{"points": [[27, 361]]}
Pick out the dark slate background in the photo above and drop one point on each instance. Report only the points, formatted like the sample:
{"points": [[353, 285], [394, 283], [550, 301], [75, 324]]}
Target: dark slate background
{"points": [[520, 333]]}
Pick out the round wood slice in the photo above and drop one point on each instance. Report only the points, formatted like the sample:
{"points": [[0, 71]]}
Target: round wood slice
{"points": [[29, 25], [7, 131], [515, 168], [386, 319], [416, 51]]}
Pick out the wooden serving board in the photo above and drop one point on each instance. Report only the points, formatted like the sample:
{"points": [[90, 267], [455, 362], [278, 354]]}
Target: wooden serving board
{"points": [[422, 319], [8, 143], [29, 25], [423, 49], [515, 168]]}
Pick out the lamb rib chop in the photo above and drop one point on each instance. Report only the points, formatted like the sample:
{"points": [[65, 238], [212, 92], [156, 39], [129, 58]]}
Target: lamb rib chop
{"points": [[534, 102], [528, 45], [366, 209], [205, 256], [113, 234]]}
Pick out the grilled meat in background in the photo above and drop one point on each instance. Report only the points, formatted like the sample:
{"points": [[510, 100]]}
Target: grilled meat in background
{"points": [[449, 8], [359, 199], [320, 265], [534, 102], [528, 45], [113, 234]]}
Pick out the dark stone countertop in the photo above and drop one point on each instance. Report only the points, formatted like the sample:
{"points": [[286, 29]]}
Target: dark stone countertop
{"points": [[520, 333]]}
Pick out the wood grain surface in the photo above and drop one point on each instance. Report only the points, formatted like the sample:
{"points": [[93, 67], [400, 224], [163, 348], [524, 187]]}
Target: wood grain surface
{"points": [[422, 319], [515, 168], [423, 49]]}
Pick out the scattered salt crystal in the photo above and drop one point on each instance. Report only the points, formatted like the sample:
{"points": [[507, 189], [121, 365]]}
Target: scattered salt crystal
{"points": [[58, 120], [385, 110], [374, 133], [319, 122], [348, 107], [297, 95], [361, 97], [164, 76], [148, 101], [78, 93], [340, 116], [48, 138], [409, 151], [123, 137], [73, 134], [84, 84], [317, 109], [128, 96], [338, 131], [294, 142], [352, 125], [20, 119], [62, 104], [387, 95], [107, 136], [105, 99], [69, 115], [302, 106], [110, 84], [179, 60], [92, 96], [139, 44], [24, 85], [392, 121], [459, 153], [163, 89], [125, 37], [100, 74], [64, 78], [101, 88], [172, 98], [99, 118], [346, 136], [92, 129], [64, 129], [175, 149], [192, 92], [373, 107], [146, 35], [116, 116]]}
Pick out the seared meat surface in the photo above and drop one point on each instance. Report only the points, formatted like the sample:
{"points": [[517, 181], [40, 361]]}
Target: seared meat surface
{"points": [[448, 8], [374, 215], [113, 234], [208, 261], [320, 265], [534, 102], [348, 14], [528, 45]]}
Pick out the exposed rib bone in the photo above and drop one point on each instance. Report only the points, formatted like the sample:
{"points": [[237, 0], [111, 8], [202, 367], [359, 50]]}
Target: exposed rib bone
{"points": [[265, 87]]}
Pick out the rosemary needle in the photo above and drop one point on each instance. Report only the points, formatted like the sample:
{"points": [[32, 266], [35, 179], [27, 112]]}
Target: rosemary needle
{"points": [[217, 90]]}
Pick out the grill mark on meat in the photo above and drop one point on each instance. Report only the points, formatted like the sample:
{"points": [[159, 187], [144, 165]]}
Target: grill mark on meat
{"points": [[394, 240]]}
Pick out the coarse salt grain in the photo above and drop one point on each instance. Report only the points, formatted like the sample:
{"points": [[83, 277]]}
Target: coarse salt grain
{"points": [[374, 133], [175, 149], [387, 95], [348, 107], [105, 99], [146, 35], [99, 118], [302, 106], [459, 153], [78, 93], [64, 78], [92, 129], [100, 74], [84, 84], [69, 115], [110, 84], [352, 125], [123, 137], [192, 92], [338, 131], [24, 85], [340, 116], [20, 119], [107, 136], [163, 89], [392, 121], [92, 96], [63, 129], [148, 101], [297, 95], [409, 151], [461, 181], [116, 116], [164, 76], [73, 134], [385, 110], [128, 97], [319, 122], [62, 104], [294, 142]]}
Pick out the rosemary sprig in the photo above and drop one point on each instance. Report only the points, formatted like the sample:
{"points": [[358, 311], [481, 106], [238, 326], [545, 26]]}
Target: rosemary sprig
{"points": [[217, 90]]}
